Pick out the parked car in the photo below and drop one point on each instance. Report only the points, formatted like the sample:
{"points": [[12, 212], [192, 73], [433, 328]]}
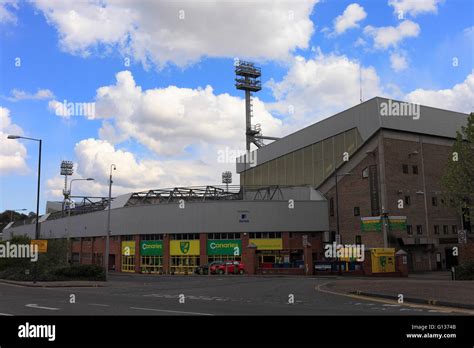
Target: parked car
{"points": [[232, 267], [204, 269]]}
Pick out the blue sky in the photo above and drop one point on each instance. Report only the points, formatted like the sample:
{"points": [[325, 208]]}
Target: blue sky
{"points": [[309, 62]]}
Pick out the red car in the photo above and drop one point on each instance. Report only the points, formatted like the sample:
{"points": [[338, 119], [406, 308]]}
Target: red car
{"points": [[232, 267]]}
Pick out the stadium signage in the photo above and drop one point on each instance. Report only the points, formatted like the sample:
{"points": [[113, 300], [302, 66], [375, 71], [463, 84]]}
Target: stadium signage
{"points": [[151, 248], [224, 247]]}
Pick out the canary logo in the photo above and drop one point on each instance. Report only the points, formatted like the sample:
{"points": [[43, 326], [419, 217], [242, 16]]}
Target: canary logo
{"points": [[184, 246]]}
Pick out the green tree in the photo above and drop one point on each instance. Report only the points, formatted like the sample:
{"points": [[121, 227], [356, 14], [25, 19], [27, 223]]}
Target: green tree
{"points": [[458, 180]]}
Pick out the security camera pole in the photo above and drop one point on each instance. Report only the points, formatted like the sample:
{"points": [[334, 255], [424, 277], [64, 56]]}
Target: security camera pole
{"points": [[107, 238]]}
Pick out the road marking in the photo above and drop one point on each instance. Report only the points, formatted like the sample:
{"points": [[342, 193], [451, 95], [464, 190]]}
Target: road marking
{"points": [[169, 311], [6, 314], [98, 304], [391, 305], [405, 304], [33, 305]]}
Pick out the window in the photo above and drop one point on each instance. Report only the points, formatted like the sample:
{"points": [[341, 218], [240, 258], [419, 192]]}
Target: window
{"points": [[419, 229], [184, 236], [365, 173], [152, 237], [333, 236], [436, 229], [358, 240], [331, 206], [445, 229], [434, 201], [409, 230], [415, 169], [264, 235], [128, 237], [407, 200], [454, 229], [405, 168], [356, 211]]}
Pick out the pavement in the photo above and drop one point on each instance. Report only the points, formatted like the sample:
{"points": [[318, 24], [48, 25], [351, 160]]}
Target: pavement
{"points": [[424, 290], [215, 295]]}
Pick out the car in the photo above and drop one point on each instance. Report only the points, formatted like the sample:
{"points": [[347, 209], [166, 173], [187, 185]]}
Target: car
{"points": [[204, 269], [232, 267]]}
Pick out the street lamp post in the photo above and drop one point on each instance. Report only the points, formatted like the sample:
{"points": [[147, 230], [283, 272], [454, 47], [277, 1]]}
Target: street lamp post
{"points": [[336, 175], [107, 238], [69, 217], [13, 210], [37, 232]]}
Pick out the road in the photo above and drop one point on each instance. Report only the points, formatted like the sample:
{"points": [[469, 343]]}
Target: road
{"points": [[203, 295]]}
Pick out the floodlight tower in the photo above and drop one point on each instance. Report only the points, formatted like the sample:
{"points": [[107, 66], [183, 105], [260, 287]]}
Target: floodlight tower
{"points": [[247, 78], [227, 179], [66, 170]]}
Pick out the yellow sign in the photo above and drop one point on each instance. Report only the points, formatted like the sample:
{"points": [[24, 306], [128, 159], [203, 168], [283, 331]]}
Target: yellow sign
{"points": [[42, 245], [185, 247], [268, 243], [383, 260], [128, 248]]}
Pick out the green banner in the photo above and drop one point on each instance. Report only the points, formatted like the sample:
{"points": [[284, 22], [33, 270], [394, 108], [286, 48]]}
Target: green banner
{"points": [[151, 248], [224, 247], [397, 223], [371, 224]]}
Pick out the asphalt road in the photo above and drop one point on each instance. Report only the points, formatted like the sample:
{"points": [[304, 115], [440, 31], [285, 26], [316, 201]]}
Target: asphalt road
{"points": [[203, 295]]}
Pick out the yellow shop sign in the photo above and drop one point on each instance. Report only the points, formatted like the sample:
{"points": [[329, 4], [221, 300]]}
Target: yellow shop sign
{"points": [[128, 248], [185, 247], [268, 243]]}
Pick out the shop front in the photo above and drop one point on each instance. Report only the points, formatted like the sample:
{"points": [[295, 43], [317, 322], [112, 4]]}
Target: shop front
{"points": [[224, 250], [128, 256], [184, 256], [151, 256]]}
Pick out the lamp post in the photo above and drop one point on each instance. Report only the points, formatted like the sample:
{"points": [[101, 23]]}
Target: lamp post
{"points": [[37, 232], [107, 238], [336, 175], [13, 210], [69, 216], [227, 179]]}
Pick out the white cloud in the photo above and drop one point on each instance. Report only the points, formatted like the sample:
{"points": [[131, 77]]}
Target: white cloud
{"points": [[94, 157], [169, 120], [316, 88], [353, 14], [6, 15], [182, 32], [384, 37], [398, 62], [12, 152], [415, 7], [41, 94], [458, 98]]}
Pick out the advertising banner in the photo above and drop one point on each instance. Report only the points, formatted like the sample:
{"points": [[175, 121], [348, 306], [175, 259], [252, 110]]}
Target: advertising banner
{"points": [[42, 245], [184, 247], [397, 223], [151, 248], [268, 243], [371, 224], [224, 247], [128, 248]]}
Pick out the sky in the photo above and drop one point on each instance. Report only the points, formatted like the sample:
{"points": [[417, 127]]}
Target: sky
{"points": [[158, 81]]}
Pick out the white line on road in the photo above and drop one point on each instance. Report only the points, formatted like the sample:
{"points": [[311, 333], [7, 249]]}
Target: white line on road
{"points": [[98, 304], [33, 305], [6, 314], [168, 311]]}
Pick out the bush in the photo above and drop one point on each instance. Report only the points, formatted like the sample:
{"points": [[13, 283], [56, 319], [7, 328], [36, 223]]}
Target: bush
{"points": [[465, 271], [80, 272]]}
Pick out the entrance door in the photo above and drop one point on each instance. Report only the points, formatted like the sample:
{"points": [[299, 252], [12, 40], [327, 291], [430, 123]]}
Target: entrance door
{"points": [[451, 260], [439, 265], [111, 262]]}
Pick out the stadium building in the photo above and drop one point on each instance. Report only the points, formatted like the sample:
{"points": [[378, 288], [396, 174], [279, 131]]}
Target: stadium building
{"points": [[388, 167]]}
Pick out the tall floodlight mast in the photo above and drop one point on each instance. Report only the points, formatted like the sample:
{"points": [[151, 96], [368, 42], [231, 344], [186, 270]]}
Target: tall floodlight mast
{"points": [[247, 78], [66, 170]]}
